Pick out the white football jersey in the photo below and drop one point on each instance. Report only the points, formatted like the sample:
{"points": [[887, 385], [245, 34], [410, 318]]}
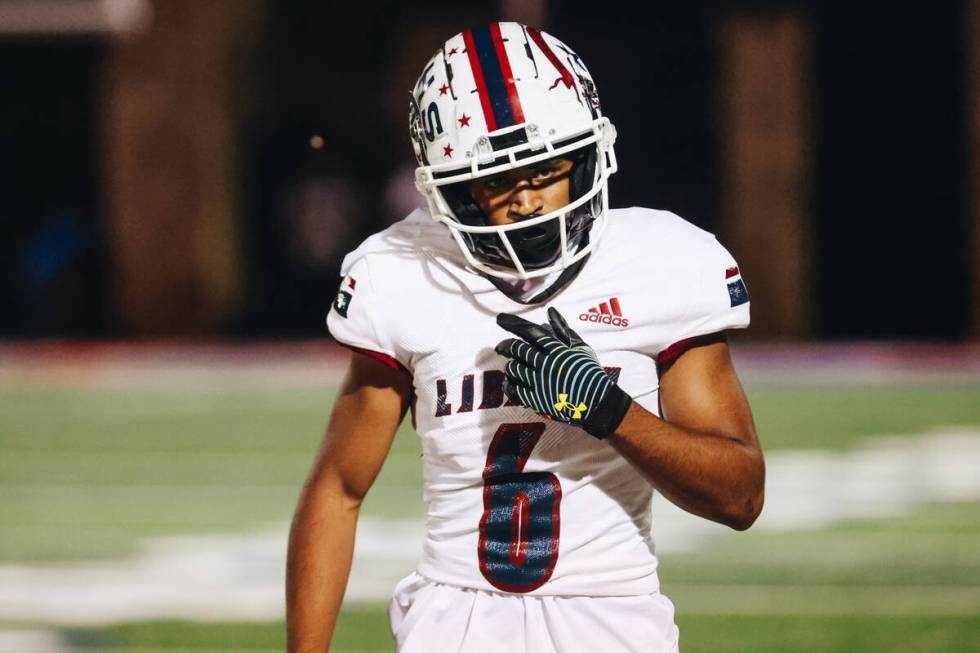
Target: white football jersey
{"points": [[517, 503]]}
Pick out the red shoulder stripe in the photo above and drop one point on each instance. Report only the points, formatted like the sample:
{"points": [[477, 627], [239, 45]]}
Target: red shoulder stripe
{"points": [[673, 352], [377, 355]]}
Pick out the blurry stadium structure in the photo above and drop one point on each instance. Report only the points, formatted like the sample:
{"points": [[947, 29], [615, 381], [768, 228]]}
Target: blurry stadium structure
{"points": [[161, 163], [74, 17]]}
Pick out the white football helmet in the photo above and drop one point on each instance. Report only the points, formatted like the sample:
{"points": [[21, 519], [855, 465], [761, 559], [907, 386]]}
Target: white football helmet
{"points": [[499, 97]]}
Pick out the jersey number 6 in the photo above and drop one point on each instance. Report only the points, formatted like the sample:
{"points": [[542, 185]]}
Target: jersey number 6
{"points": [[519, 528]]}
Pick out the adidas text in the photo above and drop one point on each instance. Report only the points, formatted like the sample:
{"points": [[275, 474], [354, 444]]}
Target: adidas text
{"points": [[614, 320]]}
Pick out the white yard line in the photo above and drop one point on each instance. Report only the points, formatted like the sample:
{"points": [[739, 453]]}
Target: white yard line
{"points": [[23, 640], [241, 577], [888, 476]]}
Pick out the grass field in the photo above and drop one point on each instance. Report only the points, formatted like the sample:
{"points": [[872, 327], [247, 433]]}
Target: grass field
{"points": [[366, 630], [89, 474]]}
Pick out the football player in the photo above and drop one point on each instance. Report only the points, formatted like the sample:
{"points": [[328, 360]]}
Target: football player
{"points": [[562, 362]]}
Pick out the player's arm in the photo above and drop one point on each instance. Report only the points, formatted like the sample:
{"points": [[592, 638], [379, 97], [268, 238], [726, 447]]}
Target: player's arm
{"points": [[371, 404], [704, 455]]}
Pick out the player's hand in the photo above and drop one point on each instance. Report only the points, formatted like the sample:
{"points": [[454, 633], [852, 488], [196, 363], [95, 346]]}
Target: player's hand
{"points": [[559, 376]]}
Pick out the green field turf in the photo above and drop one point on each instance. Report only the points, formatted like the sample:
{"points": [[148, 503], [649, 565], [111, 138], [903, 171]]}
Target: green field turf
{"points": [[366, 631], [936, 548], [115, 467], [838, 416], [88, 474]]}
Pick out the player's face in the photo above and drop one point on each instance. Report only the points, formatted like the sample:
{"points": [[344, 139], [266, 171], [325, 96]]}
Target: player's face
{"points": [[524, 192]]}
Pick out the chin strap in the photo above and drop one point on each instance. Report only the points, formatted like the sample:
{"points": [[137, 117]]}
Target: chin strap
{"points": [[566, 277]]}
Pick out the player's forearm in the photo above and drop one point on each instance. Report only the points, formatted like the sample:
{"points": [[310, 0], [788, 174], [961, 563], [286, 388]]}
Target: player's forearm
{"points": [[717, 477], [321, 546]]}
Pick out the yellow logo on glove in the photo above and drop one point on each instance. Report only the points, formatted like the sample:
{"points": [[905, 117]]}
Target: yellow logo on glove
{"points": [[564, 403]]}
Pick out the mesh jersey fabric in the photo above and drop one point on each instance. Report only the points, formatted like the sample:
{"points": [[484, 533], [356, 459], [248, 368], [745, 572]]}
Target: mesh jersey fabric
{"points": [[516, 503]]}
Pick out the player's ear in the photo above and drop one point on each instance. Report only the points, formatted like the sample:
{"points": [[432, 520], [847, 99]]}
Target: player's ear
{"points": [[562, 331]]}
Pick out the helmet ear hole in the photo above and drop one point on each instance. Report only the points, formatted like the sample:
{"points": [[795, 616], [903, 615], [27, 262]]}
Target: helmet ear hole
{"points": [[583, 173], [488, 246], [462, 204]]}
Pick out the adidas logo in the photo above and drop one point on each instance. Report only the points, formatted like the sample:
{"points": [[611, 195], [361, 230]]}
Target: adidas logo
{"points": [[602, 315]]}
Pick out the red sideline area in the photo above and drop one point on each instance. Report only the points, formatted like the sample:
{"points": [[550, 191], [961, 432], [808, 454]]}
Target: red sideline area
{"points": [[313, 363], [172, 364]]}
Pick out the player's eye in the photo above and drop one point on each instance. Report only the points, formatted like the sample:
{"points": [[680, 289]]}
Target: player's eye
{"points": [[494, 183], [547, 170]]}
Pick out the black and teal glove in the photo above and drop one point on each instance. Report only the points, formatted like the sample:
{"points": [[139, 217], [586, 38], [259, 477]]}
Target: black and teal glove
{"points": [[559, 376]]}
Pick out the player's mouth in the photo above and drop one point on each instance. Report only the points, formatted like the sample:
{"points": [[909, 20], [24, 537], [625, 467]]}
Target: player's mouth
{"points": [[537, 230]]}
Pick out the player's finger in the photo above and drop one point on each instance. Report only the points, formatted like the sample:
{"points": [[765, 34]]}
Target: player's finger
{"points": [[526, 398], [517, 349], [514, 389], [520, 395], [513, 348], [562, 331], [529, 331], [519, 371]]}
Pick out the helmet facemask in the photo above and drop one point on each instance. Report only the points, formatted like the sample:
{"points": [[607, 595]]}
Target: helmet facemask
{"points": [[540, 245]]}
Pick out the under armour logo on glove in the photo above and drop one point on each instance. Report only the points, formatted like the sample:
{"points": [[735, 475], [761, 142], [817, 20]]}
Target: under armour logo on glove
{"points": [[559, 376], [563, 402]]}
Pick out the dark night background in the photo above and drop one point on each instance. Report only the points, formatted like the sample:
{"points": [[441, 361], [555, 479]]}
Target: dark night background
{"points": [[889, 188]]}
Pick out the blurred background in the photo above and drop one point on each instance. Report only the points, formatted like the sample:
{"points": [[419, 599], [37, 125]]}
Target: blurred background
{"points": [[181, 179]]}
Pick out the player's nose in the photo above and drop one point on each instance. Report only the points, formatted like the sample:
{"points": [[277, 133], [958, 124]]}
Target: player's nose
{"points": [[524, 202]]}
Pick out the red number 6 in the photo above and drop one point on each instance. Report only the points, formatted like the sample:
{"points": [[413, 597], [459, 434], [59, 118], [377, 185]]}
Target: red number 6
{"points": [[520, 525]]}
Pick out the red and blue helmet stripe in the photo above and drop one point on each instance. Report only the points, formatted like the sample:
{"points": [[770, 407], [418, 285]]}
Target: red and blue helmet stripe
{"points": [[494, 78]]}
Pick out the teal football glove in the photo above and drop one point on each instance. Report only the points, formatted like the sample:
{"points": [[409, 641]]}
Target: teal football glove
{"points": [[559, 376]]}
